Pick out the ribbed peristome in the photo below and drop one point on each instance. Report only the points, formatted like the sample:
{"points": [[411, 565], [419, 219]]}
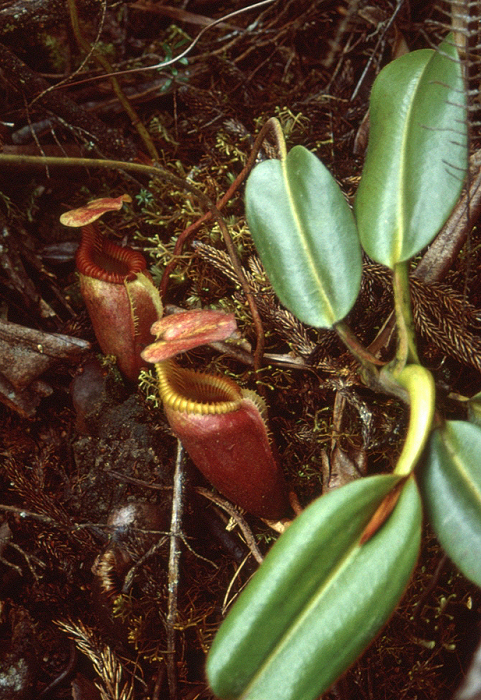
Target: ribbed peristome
{"points": [[188, 391], [104, 260]]}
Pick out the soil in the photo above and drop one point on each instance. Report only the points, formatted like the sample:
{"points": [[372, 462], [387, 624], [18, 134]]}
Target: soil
{"points": [[97, 599]]}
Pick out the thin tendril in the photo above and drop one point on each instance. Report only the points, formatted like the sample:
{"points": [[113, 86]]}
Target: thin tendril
{"points": [[158, 66]]}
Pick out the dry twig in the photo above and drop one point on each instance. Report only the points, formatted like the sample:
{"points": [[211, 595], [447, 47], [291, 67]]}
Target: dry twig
{"points": [[174, 559]]}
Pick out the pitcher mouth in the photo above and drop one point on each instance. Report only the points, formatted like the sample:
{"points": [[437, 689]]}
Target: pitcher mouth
{"points": [[104, 260], [187, 391]]}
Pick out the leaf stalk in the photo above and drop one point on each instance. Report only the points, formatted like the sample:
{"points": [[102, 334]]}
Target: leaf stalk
{"points": [[406, 350], [419, 384]]}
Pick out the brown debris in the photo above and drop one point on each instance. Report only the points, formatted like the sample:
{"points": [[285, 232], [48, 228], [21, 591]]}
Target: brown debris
{"points": [[26, 354]]}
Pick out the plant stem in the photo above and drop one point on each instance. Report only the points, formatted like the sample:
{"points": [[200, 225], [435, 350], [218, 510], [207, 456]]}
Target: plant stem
{"points": [[368, 362], [419, 384], [362, 355], [406, 351], [271, 124]]}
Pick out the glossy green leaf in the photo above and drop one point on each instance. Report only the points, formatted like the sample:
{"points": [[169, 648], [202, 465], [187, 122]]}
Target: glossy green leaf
{"points": [[319, 597], [417, 154], [451, 485], [305, 234]]}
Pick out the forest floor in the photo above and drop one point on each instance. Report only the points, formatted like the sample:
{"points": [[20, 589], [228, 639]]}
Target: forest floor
{"points": [[90, 608]]}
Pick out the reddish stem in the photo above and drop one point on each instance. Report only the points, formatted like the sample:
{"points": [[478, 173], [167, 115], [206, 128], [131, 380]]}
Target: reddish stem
{"points": [[187, 233]]}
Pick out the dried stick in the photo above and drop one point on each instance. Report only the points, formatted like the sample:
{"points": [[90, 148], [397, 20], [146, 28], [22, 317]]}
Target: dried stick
{"points": [[22, 513], [235, 515], [129, 578], [174, 558]]}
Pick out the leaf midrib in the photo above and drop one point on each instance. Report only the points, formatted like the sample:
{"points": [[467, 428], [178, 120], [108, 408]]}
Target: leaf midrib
{"points": [[398, 248], [299, 619], [329, 311]]}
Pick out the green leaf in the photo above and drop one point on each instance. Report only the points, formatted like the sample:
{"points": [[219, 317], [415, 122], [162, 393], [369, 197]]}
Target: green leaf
{"points": [[305, 234], [319, 597], [417, 154], [450, 481]]}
